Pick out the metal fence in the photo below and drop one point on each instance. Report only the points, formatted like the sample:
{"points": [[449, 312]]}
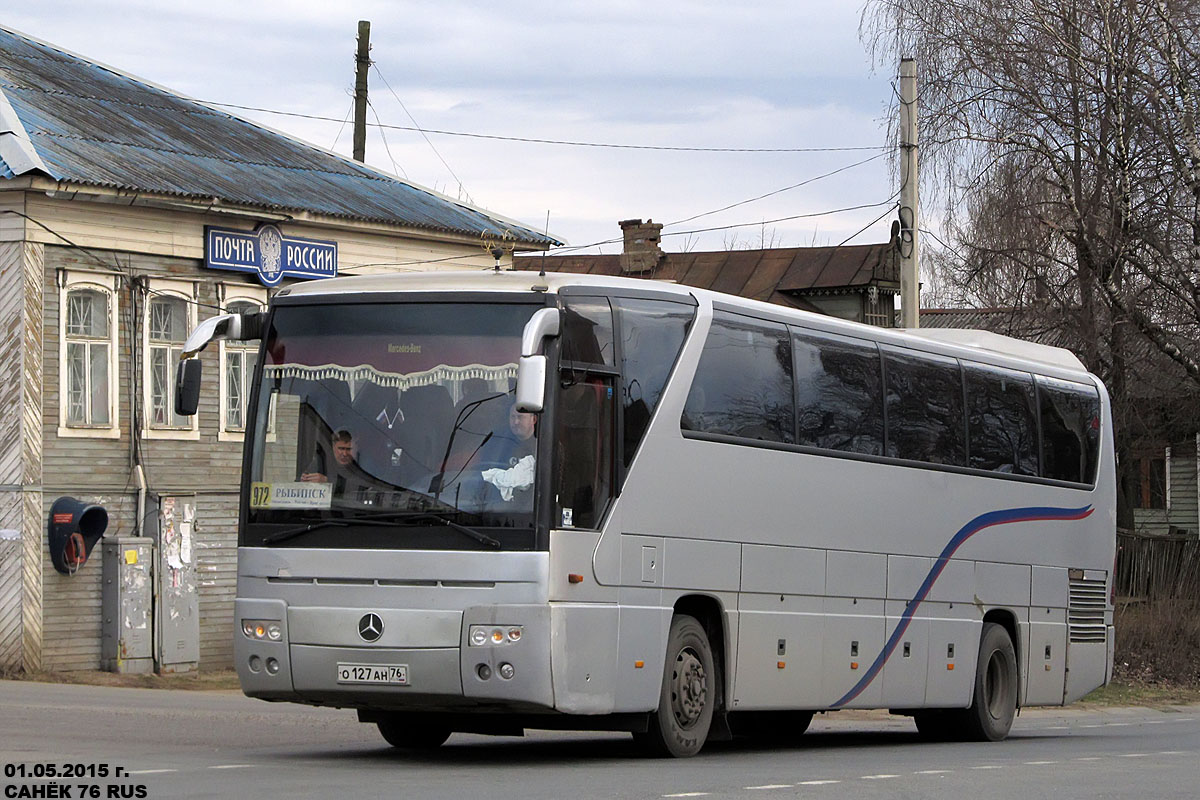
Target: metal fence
{"points": [[1158, 567]]}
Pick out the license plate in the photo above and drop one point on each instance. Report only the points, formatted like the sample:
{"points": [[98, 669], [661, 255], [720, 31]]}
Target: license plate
{"points": [[384, 674]]}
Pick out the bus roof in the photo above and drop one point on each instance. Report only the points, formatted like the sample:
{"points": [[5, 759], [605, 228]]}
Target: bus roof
{"points": [[978, 341]]}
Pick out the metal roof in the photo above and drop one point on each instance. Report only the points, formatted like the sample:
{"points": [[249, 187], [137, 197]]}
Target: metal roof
{"points": [[779, 275], [90, 124]]}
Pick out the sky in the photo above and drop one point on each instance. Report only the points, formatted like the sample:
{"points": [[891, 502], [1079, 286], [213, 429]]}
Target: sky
{"points": [[769, 74]]}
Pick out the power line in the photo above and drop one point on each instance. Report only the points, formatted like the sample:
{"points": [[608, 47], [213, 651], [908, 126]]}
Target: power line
{"points": [[395, 167], [804, 182], [788, 219], [564, 142], [462, 189]]}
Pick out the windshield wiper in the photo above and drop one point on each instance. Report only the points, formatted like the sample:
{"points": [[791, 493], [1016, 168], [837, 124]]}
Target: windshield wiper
{"points": [[437, 516], [384, 519], [291, 533]]}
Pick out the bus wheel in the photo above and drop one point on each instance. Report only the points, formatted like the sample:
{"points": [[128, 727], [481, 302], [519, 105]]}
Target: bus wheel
{"points": [[991, 713], [413, 732], [685, 706]]}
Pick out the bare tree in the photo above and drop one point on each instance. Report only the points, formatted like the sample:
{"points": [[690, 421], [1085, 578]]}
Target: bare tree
{"points": [[1059, 137]]}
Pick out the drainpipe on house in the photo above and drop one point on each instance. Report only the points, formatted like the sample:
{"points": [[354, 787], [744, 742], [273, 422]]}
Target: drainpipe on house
{"points": [[141, 499]]}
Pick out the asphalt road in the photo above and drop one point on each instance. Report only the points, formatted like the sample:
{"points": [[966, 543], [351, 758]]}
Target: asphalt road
{"points": [[184, 744]]}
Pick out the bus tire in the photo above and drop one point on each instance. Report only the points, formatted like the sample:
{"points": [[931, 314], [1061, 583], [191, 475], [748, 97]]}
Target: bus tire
{"points": [[685, 707], [990, 715], [413, 732]]}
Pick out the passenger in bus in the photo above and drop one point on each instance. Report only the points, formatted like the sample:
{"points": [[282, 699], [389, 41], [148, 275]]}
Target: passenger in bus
{"points": [[348, 479], [510, 454]]}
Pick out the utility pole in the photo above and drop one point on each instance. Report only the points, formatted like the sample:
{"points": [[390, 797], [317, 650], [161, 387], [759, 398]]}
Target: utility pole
{"points": [[910, 281], [362, 62]]}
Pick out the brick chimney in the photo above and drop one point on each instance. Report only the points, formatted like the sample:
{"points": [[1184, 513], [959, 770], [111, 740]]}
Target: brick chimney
{"points": [[642, 252]]}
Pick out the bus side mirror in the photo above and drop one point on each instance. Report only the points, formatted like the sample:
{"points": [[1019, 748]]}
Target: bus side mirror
{"points": [[531, 369], [187, 386], [74, 529], [531, 384]]}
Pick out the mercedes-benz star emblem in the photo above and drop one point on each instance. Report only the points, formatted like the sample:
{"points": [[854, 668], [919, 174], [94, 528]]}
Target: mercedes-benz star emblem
{"points": [[370, 627]]}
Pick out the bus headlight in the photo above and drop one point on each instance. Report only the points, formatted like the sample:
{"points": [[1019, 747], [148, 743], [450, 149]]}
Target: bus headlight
{"points": [[270, 630], [480, 635]]}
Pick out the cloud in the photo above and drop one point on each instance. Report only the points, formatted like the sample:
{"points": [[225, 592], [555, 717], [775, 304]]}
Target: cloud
{"points": [[671, 73]]}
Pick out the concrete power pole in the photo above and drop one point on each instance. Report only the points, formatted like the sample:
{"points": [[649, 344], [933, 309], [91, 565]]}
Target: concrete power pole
{"points": [[910, 280], [362, 62]]}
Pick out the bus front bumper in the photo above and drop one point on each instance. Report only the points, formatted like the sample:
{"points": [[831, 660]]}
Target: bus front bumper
{"points": [[421, 659]]}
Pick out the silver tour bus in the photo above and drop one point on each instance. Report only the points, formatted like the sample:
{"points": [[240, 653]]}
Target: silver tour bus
{"points": [[485, 502]]}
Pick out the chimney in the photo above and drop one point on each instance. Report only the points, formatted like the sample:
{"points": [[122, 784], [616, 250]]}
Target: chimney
{"points": [[642, 252]]}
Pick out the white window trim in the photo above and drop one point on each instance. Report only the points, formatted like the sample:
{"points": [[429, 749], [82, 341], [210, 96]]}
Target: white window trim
{"points": [[106, 283], [1167, 480], [232, 293], [186, 291]]}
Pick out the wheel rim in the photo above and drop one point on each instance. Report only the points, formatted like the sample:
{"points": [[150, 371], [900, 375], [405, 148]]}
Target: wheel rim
{"points": [[689, 688], [996, 685]]}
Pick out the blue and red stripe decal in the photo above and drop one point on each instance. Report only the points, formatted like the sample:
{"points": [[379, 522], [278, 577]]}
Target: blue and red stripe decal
{"points": [[983, 521]]}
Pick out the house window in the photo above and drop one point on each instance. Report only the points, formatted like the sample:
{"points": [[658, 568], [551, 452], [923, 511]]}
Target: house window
{"points": [[878, 308], [1150, 474], [237, 364], [169, 317], [88, 355]]}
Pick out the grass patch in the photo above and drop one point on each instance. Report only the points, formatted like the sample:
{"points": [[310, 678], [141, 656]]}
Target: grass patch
{"points": [[1158, 644], [1124, 694]]}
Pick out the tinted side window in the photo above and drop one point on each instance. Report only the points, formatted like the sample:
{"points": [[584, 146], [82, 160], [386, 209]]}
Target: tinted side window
{"points": [[652, 333], [588, 331], [839, 394], [583, 457], [1070, 430], [924, 409], [743, 385], [1002, 420]]}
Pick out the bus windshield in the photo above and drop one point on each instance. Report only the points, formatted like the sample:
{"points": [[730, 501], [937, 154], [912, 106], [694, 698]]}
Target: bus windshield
{"points": [[392, 425]]}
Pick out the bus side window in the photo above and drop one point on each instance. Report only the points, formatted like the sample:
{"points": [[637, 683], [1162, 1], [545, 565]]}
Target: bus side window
{"points": [[1070, 430], [652, 334], [743, 384], [583, 455], [924, 407], [839, 393], [1001, 420]]}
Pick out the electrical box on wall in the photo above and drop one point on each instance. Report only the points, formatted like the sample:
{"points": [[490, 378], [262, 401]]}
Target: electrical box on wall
{"points": [[127, 605], [177, 607]]}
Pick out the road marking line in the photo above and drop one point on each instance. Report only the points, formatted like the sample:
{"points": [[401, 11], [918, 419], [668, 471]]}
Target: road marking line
{"points": [[1172, 752], [232, 766], [771, 786], [1040, 763], [687, 794], [1134, 755], [878, 777], [1089, 758], [1058, 728], [1101, 725], [989, 766], [150, 771], [1119, 724], [932, 771], [1155, 722], [816, 783]]}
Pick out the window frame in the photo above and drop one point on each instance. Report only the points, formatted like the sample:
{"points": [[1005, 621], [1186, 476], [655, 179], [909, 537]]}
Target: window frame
{"points": [[235, 293], [184, 290], [105, 283]]}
